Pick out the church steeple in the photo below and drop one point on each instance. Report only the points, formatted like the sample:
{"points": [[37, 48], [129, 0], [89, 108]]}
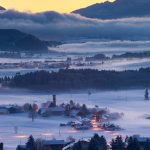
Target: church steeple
{"points": [[54, 100]]}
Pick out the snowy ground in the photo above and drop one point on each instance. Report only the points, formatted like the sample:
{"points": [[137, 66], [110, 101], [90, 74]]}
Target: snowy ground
{"points": [[88, 48], [119, 65], [130, 102]]}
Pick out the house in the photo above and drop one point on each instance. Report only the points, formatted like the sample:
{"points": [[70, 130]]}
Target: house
{"points": [[74, 113], [9, 109], [53, 144], [14, 109], [55, 111], [3, 111]]}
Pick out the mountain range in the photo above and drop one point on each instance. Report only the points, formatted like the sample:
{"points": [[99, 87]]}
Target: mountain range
{"points": [[15, 40], [2, 8], [116, 9]]}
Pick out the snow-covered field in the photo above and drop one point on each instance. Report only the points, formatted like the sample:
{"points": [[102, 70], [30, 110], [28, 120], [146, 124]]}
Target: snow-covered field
{"points": [[119, 65], [130, 102], [88, 48]]}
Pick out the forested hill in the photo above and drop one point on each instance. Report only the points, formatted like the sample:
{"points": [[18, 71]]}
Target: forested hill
{"points": [[81, 79], [116, 9], [2, 8], [15, 40]]}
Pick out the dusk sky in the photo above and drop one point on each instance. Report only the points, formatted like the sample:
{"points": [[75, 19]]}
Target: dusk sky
{"points": [[63, 6]]}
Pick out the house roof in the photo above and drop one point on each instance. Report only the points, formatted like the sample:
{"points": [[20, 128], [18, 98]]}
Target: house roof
{"points": [[56, 109]]}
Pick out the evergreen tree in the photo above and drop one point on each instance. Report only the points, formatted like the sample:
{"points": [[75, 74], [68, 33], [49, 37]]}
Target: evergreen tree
{"points": [[118, 144], [147, 145], [133, 144], [31, 145], [77, 146], [98, 143], [19, 148], [103, 143], [96, 137], [93, 145]]}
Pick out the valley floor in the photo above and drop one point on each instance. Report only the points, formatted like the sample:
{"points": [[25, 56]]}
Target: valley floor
{"points": [[130, 102]]}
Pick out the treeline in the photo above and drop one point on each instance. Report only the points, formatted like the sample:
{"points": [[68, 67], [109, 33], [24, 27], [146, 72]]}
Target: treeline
{"points": [[80, 79], [95, 143], [132, 55], [126, 55], [99, 143]]}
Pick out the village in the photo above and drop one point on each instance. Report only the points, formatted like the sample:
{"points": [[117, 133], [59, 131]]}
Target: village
{"points": [[85, 118], [82, 118], [55, 63]]}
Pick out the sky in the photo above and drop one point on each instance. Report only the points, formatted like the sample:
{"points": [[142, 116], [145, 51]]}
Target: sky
{"points": [[62, 6]]}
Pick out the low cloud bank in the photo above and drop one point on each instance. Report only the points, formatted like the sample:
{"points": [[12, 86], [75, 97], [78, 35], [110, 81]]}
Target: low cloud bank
{"points": [[56, 26], [106, 47]]}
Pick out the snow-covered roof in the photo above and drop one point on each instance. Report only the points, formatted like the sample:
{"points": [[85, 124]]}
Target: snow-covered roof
{"points": [[68, 146], [56, 109], [43, 110], [85, 119]]}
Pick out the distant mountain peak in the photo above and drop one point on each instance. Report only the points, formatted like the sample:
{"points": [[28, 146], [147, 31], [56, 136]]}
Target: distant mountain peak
{"points": [[116, 9], [2, 8]]}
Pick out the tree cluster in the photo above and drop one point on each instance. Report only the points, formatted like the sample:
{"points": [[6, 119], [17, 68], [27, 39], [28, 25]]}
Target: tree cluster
{"points": [[81, 79], [100, 143]]}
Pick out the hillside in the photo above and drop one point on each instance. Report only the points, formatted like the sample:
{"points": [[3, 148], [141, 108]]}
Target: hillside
{"points": [[116, 9], [2, 8], [14, 40]]}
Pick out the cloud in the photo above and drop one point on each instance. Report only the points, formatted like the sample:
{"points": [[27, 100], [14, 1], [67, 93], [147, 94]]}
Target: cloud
{"points": [[106, 47], [53, 25]]}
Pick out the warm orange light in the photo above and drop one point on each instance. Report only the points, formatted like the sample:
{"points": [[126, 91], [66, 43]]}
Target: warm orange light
{"points": [[96, 129], [108, 131], [95, 125], [73, 131], [21, 136]]}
